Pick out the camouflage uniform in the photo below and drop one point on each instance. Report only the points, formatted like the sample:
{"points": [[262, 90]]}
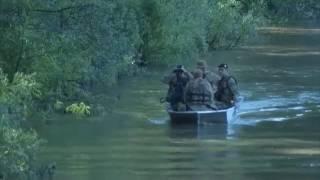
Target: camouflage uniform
{"points": [[172, 78], [176, 89], [213, 79], [198, 94], [227, 94]]}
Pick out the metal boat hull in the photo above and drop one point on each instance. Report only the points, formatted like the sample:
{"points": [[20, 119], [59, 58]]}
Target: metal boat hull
{"points": [[195, 117]]}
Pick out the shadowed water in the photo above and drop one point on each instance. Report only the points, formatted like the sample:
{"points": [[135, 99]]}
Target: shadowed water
{"points": [[276, 136]]}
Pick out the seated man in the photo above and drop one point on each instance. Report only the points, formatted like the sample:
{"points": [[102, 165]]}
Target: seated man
{"points": [[198, 93], [177, 82], [227, 94]]}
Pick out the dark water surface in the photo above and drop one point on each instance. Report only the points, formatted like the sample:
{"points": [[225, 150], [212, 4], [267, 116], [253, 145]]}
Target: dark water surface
{"points": [[276, 137]]}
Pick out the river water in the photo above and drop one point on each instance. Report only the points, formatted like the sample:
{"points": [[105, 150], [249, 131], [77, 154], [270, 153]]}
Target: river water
{"points": [[277, 134]]}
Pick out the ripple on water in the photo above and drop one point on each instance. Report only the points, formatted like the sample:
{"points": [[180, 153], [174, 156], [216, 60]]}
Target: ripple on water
{"points": [[297, 108], [275, 109], [299, 115], [290, 108], [311, 165], [268, 109], [253, 121], [309, 97], [159, 121]]}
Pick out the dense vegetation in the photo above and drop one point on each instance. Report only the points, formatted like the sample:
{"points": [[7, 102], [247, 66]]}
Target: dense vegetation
{"points": [[72, 46], [17, 145], [293, 9], [56, 51]]}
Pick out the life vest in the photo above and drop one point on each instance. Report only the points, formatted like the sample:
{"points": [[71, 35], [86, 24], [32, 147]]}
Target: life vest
{"points": [[224, 92], [199, 98], [199, 93]]}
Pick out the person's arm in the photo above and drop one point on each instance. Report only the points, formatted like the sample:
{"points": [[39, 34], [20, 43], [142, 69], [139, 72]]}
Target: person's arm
{"points": [[186, 93], [188, 75], [213, 79], [209, 90], [234, 89], [167, 78]]}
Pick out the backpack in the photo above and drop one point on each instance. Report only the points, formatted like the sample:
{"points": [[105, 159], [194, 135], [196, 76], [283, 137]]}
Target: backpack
{"points": [[176, 91]]}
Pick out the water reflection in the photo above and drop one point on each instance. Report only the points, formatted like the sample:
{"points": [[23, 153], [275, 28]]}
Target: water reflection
{"points": [[203, 131], [214, 154], [303, 53], [289, 31]]}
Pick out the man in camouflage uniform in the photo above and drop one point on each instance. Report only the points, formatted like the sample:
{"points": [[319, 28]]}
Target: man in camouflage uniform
{"points": [[177, 81], [227, 94], [212, 77], [198, 93]]}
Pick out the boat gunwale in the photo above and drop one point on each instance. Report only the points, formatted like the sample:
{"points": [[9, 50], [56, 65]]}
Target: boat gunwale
{"points": [[201, 112]]}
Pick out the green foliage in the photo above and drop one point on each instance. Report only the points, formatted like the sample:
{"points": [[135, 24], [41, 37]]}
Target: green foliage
{"points": [[293, 9], [17, 96], [58, 105], [17, 147], [73, 46], [174, 30], [80, 109], [17, 152], [62, 67], [231, 22]]}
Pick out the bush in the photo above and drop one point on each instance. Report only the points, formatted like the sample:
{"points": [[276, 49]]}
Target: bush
{"points": [[17, 146], [174, 31], [293, 9], [17, 152], [231, 22], [79, 109], [17, 96]]}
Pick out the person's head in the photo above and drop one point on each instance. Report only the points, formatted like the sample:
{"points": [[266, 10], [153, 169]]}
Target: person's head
{"points": [[179, 69], [197, 74], [223, 70], [201, 65]]}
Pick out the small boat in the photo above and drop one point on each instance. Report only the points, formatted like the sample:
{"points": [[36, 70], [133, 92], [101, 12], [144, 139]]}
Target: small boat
{"points": [[198, 117]]}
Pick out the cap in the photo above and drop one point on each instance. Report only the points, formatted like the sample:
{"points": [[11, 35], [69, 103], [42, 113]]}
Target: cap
{"points": [[223, 66], [179, 68]]}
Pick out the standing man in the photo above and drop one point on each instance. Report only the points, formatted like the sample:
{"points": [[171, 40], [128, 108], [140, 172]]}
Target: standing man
{"points": [[177, 82], [227, 94]]}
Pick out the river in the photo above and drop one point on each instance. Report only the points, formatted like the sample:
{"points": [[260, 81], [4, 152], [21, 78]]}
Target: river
{"points": [[276, 136]]}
